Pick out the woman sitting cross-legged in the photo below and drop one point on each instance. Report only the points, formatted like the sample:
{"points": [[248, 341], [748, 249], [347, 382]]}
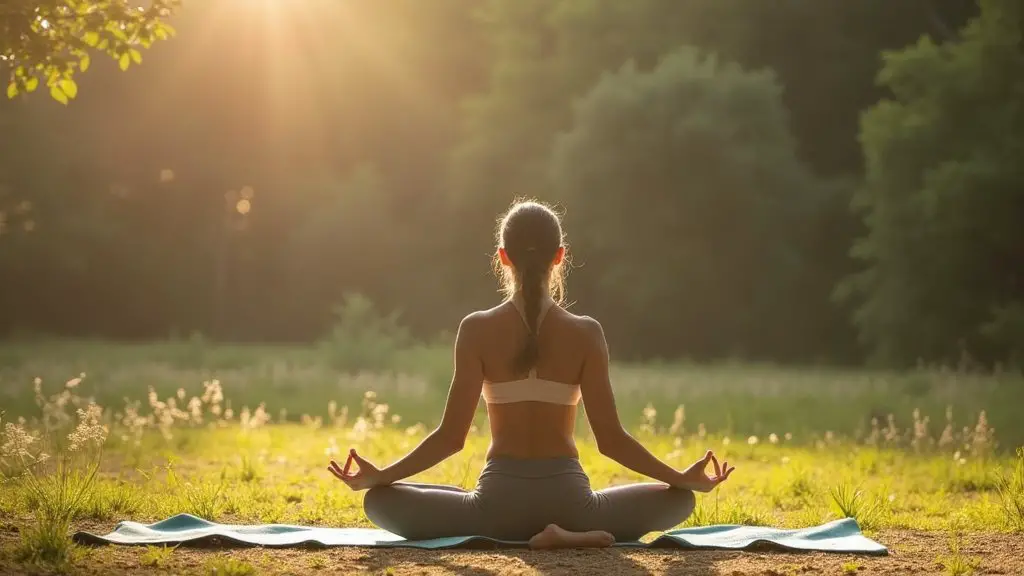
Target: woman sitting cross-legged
{"points": [[532, 361]]}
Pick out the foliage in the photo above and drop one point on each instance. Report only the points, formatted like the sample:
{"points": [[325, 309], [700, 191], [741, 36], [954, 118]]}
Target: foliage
{"points": [[362, 338], [942, 199], [687, 190], [50, 41], [458, 109]]}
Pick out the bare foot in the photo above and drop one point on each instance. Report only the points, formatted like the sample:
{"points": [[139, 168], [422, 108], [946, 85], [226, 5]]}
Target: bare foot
{"points": [[555, 537]]}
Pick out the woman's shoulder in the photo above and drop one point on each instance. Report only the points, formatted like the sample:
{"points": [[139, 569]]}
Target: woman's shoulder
{"points": [[585, 325]]}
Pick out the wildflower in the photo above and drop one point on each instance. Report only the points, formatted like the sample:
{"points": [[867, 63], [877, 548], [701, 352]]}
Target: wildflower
{"points": [[773, 438], [332, 447], [788, 436], [649, 415], [16, 441], [181, 393], [73, 382], [89, 429], [195, 409], [785, 459], [395, 419], [752, 440], [678, 419], [701, 430], [725, 441]]}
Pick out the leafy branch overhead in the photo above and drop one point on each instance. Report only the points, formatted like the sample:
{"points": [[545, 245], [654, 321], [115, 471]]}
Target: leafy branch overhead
{"points": [[47, 42]]}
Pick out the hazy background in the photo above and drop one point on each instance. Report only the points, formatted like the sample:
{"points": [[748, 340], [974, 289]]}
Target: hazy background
{"points": [[733, 185]]}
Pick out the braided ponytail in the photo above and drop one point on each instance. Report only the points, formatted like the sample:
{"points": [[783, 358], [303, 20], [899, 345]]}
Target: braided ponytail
{"points": [[531, 236], [530, 279]]}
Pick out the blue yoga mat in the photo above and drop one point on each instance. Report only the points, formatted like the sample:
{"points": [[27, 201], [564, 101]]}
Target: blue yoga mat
{"points": [[838, 536]]}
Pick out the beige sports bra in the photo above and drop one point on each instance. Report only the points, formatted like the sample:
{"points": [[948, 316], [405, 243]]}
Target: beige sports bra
{"points": [[531, 388]]}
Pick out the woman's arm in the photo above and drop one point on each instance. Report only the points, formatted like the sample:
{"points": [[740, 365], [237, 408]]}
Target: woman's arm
{"points": [[463, 397], [615, 442]]}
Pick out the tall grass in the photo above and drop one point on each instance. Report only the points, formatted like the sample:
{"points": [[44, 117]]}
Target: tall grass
{"points": [[56, 474], [1011, 494], [737, 400]]}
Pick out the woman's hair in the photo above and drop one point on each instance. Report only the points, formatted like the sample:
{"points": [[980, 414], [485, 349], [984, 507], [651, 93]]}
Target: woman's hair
{"points": [[531, 234]]}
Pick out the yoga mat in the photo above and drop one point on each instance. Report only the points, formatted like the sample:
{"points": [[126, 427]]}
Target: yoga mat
{"points": [[838, 536]]}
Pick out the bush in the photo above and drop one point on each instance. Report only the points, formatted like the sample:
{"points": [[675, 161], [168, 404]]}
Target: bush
{"points": [[362, 338]]}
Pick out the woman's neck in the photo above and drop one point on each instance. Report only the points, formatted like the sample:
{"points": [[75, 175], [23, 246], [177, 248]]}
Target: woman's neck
{"points": [[545, 294]]}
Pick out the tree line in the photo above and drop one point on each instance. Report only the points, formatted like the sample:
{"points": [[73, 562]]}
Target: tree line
{"points": [[793, 181]]}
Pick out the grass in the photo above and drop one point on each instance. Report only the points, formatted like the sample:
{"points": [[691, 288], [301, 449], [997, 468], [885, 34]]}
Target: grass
{"points": [[1011, 493], [211, 442], [157, 556], [740, 400]]}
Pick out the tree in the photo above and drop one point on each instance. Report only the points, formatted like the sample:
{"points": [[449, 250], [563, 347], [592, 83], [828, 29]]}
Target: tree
{"points": [[49, 41], [943, 199], [688, 202]]}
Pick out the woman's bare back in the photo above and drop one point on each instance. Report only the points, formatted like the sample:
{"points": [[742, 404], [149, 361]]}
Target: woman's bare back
{"points": [[532, 429]]}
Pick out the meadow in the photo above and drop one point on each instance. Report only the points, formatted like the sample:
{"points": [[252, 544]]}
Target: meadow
{"points": [[925, 460]]}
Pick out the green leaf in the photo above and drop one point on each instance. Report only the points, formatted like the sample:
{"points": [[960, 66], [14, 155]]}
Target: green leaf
{"points": [[12, 89], [136, 56], [69, 87], [83, 64], [31, 84], [124, 62], [91, 38], [57, 94], [103, 44]]}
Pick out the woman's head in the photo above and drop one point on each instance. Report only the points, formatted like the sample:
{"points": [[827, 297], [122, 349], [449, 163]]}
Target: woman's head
{"points": [[530, 260]]}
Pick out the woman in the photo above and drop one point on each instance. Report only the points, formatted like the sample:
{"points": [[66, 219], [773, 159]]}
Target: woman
{"points": [[532, 361]]}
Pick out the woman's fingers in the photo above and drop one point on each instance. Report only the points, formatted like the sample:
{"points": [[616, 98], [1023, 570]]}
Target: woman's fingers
{"points": [[337, 474], [718, 469], [363, 464]]}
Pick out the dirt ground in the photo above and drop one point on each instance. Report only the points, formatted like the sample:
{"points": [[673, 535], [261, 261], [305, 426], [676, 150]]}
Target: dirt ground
{"points": [[910, 553]]}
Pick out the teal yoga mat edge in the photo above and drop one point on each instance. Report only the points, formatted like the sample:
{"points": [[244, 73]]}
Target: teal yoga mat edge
{"points": [[672, 539]]}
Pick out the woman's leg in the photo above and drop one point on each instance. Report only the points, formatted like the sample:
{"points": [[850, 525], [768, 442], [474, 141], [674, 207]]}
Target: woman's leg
{"points": [[423, 511], [631, 511]]}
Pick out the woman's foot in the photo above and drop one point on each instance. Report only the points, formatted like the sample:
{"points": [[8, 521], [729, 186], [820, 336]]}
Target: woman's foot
{"points": [[555, 537]]}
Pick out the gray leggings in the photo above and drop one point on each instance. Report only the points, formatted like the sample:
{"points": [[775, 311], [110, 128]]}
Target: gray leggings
{"points": [[516, 498]]}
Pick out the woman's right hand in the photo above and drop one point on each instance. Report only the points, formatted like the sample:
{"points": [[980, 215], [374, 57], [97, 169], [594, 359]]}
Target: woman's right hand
{"points": [[366, 477], [696, 478]]}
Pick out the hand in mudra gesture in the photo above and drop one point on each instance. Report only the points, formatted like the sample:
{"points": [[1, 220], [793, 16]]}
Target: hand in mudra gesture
{"points": [[696, 477], [365, 477]]}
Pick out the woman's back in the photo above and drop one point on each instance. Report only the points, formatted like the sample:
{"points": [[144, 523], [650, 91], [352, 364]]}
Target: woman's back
{"points": [[532, 362], [539, 427]]}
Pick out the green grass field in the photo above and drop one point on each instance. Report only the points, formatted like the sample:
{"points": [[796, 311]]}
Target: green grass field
{"points": [[931, 477]]}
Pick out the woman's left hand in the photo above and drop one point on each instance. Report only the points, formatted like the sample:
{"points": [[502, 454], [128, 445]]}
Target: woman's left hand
{"points": [[365, 478]]}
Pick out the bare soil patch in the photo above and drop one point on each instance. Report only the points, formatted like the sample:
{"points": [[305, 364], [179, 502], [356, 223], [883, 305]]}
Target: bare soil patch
{"points": [[911, 552]]}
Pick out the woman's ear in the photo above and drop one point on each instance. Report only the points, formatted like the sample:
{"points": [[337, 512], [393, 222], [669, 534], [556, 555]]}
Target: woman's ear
{"points": [[503, 256], [559, 255]]}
